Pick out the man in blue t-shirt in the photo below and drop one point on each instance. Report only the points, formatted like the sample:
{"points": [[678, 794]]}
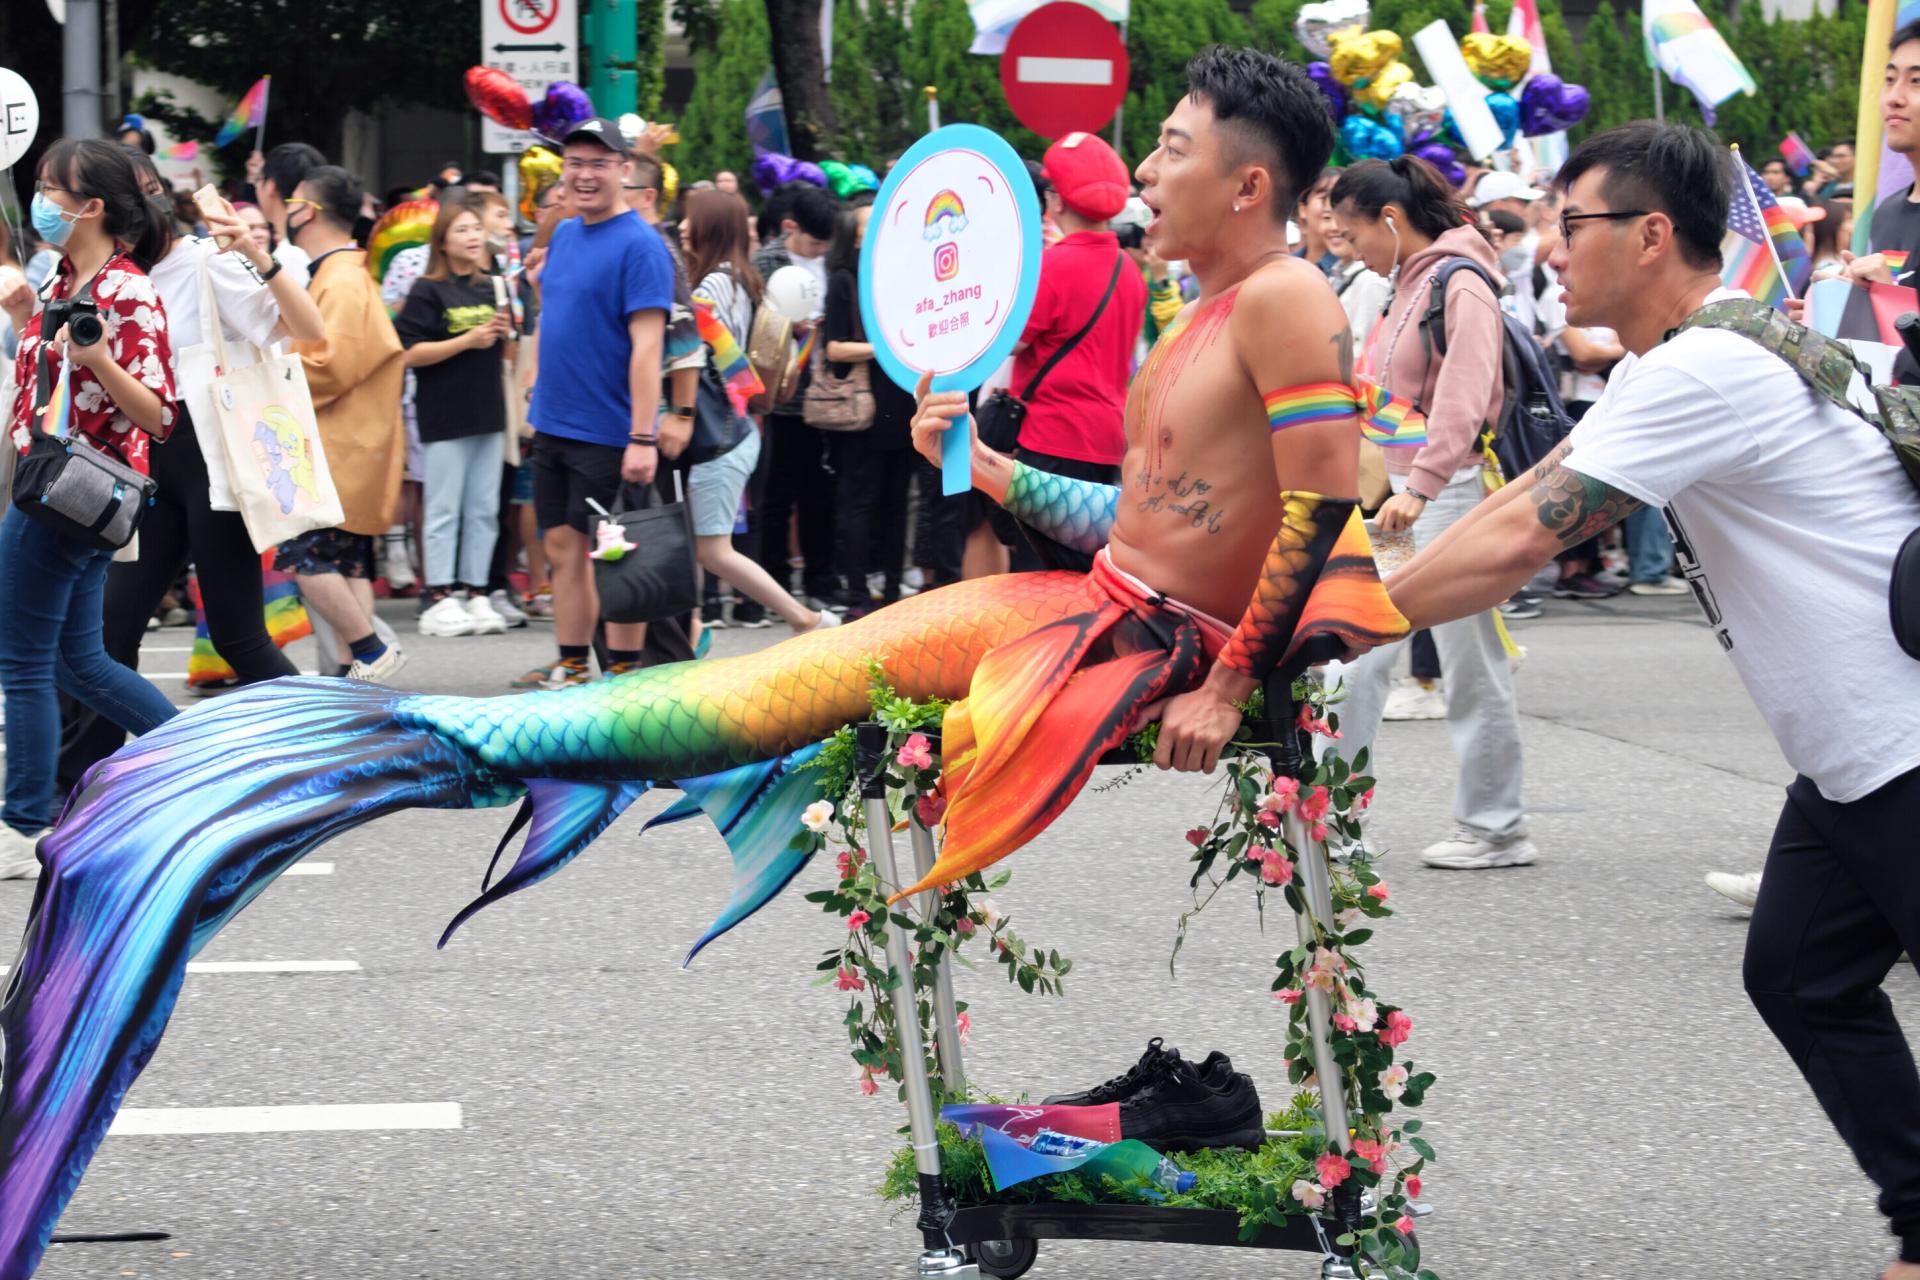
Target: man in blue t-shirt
{"points": [[606, 290]]}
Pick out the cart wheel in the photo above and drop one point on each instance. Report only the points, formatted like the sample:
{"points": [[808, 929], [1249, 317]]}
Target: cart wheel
{"points": [[1006, 1259]]}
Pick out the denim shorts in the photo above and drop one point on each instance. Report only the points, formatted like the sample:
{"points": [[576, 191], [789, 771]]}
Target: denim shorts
{"points": [[714, 487]]}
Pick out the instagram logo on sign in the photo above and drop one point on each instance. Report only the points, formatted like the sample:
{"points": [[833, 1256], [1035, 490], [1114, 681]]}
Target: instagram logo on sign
{"points": [[946, 261]]}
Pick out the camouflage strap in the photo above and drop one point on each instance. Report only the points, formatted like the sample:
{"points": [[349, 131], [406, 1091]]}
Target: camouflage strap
{"points": [[1826, 365]]}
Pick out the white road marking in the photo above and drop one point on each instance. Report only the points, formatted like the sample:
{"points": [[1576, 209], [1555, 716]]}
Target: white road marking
{"points": [[1064, 71], [150, 1121], [181, 675], [267, 966], [309, 869]]}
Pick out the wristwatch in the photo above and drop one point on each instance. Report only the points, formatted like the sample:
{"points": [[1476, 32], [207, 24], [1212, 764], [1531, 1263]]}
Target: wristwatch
{"points": [[270, 272], [680, 410], [649, 441]]}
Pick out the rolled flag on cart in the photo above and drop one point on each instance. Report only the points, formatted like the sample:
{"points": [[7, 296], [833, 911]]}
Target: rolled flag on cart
{"points": [[1797, 154], [1101, 1124], [1685, 45], [735, 370], [248, 113], [1012, 1162]]}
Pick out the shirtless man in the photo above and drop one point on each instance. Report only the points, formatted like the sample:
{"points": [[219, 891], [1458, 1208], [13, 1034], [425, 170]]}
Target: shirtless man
{"points": [[1236, 425]]}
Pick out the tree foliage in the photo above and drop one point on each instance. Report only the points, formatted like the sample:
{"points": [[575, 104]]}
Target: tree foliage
{"points": [[713, 127]]}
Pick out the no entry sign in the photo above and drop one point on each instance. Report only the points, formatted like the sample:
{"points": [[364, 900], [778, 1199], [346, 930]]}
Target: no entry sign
{"points": [[1065, 70]]}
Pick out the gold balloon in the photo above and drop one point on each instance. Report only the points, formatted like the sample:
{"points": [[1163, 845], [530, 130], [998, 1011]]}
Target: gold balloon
{"points": [[1358, 59], [1383, 85], [1499, 62], [539, 169], [669, 182]]}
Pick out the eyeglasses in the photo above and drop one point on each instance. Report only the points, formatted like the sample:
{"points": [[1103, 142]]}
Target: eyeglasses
{"points": [[1617, 215], [305, 204], [40, 186], [573, 164]]}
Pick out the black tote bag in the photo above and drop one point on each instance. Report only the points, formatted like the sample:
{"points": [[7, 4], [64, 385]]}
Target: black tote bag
{"points": [[657, 579]]}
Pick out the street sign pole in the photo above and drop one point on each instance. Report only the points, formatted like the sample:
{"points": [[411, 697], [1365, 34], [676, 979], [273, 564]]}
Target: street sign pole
{"points": [[534, 41]]}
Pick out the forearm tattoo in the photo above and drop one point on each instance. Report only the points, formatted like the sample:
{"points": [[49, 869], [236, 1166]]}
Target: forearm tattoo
{"points": [[1309, 526], [1075, 513], [1576, 507]]}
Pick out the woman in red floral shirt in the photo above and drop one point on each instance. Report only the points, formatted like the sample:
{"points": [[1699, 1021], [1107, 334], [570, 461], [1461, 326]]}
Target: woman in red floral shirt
{"points": [[89, 205]]}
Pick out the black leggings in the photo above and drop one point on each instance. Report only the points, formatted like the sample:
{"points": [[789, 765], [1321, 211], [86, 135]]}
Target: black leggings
{"points": [[873, 488], [178, 527]]}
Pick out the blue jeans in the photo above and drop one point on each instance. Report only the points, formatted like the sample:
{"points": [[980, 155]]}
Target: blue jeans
{"points": [[1649, 546], [463, 509], [50, 639]]}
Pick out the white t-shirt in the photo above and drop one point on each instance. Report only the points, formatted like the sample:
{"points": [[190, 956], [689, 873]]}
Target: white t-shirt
{"points": [[248, 312], [1786, 513]]}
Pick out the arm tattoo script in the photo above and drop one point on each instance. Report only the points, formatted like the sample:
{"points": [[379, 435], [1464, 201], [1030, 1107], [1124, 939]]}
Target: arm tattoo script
{"points": [[1575, 507], [1343, 341], [1075, 513], [1308, 529]]}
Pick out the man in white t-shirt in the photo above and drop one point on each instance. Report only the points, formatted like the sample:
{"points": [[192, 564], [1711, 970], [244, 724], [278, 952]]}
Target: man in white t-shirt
{"points": [[1786, 511]]}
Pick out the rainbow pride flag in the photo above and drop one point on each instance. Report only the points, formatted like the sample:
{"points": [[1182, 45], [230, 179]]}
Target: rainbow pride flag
{"points": [[743, 384], [1762, 251], [248, 113], [1389, 420], [1685, 45], [286, 619], [59, 410], [1797, 154], [182, 151]]}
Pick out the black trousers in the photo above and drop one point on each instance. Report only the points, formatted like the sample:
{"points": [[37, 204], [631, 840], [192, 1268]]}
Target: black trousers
{"points": [[179, 527], [1425, 656], [939, 535], [1839, 902], [872, 527], [799, 478]]}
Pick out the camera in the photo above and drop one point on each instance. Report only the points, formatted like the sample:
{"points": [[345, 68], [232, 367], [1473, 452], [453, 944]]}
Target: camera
{"points": [[1131, 236], [81, 318]]}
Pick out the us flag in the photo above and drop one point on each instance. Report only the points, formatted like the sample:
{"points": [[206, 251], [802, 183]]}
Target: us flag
{"points": [[1762, 251]]}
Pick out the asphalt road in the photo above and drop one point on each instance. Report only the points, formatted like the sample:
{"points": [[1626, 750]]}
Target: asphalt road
{"points": [[1608, 1103]]}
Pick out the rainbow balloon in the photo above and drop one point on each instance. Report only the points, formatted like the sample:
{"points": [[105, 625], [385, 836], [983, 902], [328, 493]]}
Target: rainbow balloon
{"points": [[945, 208], [401, 227]]}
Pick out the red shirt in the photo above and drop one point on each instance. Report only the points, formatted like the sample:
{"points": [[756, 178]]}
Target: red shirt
{"points": [[136, 336], [1080, 410]]}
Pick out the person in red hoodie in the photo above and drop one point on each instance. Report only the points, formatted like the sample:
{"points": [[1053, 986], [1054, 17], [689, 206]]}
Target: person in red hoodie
{"points": [[1408, 224]]}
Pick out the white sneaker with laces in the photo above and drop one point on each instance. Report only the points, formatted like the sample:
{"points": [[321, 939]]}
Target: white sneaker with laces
{"points": [[1668, 586], [1411, 700], [381, 669], [1743, 889], [1469, 851], [17, 860], [502, 602], [486, 621], [448, 617]]}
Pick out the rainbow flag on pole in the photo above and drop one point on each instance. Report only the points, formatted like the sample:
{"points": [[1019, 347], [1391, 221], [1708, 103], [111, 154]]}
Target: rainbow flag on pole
{"points": [[248, 113], [1762, 251], [1682, 43], [59, 409], [735, 370], [1798, 155]]}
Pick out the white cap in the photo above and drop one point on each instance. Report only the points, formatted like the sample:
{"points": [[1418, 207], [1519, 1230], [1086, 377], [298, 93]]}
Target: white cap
{"points": [[1502, 186]]}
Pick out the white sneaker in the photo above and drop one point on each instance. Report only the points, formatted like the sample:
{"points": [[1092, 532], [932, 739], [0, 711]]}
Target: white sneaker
{"points": [[503, 605], [1659, 587], [394, 559], [1468, 851], [486, 621], [17, 860], [382, 669], [1411, 700], [1743, 889], [449, 617], [828, 618]]}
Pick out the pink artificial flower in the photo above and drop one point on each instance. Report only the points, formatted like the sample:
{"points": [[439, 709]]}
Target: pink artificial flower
{"points": [[1277, 870], [1333, 1170], [1404, 1226], [1343, 1022], [1198, 836], [1310, 1194], [1378, 1166], [1268, 819], [1399, 1027], [915, 753], [1288, 995], [930, 808], [964, 1022], [1318, 831], [1258, 853], [868, 1085], [1378, 892], [963, 926], [1318, 978], [1365, 800], [1315, 803], [1367, 1148], [845, 863], [1393, 1082], [848, 980], [1413, 1186], [857, 919], [1285, 792]]}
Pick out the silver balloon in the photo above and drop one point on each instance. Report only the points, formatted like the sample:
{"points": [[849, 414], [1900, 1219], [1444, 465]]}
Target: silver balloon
{"points": [[1321, 20], [1420, 108]]}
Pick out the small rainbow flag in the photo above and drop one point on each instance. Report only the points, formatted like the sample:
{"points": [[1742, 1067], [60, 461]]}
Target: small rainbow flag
{"points": [[182, 151], [1762, 251], [248, 113], [286, 619], [1797, 154], [1388, 420], [59, 410], [1896, 259], [743, 384], [1311, 403], [803, 355]]}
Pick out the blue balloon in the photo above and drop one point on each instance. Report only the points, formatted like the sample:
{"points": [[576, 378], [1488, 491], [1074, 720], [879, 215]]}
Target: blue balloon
{"points": [[1366, 138], [1506, 114]]}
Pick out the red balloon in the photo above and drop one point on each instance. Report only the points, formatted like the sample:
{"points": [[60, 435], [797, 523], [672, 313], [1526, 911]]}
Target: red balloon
{"points": [[499, 97]]}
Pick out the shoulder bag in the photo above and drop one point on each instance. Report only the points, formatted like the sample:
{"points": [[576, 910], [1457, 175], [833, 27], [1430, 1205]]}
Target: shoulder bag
{"points": [[840, 404], [998, 420], [657, 578]]}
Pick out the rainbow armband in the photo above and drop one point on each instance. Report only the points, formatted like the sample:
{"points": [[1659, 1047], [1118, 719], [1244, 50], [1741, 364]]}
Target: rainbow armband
{"points": [[1309, 404]]}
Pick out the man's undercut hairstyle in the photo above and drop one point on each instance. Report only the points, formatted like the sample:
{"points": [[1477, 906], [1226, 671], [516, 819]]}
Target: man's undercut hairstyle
{"points": [[288, 164], [1673, 169], [647, 173], [337, 192], [1271, 113]]}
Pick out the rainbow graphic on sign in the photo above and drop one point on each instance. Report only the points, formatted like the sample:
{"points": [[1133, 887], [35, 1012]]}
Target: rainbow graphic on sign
{"points": [[945, 216]]}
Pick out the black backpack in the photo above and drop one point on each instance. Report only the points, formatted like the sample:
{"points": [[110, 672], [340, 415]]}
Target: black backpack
{"points": [[1532, 421]]}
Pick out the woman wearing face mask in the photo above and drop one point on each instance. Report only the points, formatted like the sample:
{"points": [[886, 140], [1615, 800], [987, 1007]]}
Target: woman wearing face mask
{"points": [[256, 303], [88, 204], [1406, 223], [455, 338]]}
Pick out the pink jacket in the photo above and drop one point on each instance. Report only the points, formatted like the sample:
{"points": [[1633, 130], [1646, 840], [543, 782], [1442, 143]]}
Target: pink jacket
{"points": [[1461, 393]]}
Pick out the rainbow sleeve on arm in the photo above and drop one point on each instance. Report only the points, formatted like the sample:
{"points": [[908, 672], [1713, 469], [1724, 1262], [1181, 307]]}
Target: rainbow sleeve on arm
{"points": [[1310, 403], [1075, 513]]}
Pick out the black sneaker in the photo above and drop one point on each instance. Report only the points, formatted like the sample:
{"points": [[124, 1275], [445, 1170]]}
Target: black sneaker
{"points": [[1188, 1110], [1152, 1065], [1521, 606], [1584, 586]]}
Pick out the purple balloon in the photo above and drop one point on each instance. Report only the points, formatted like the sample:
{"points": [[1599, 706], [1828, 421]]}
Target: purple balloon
{"points": [[565, 105], [1440, 156], [771, 171], [1336, 93], [1548, 105]]}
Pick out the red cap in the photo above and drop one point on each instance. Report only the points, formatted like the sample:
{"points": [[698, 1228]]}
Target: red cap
{"points": [[1089, 175]]}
